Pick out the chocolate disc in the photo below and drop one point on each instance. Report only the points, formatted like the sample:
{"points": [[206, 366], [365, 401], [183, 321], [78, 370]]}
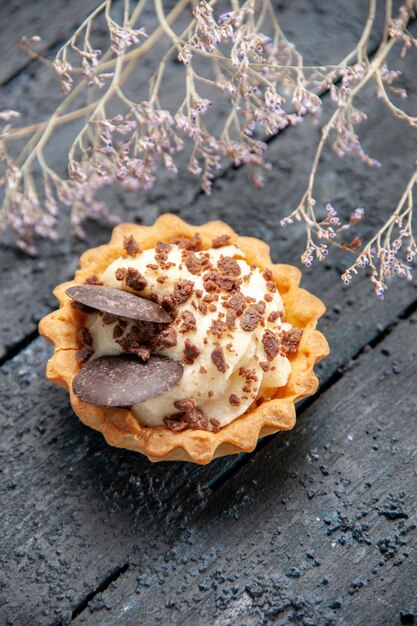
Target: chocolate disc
{"points": [[125, 380], [118, 302]]}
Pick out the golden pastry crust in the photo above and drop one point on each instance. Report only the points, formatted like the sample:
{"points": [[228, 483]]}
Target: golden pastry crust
{"points": [[119, 426]]}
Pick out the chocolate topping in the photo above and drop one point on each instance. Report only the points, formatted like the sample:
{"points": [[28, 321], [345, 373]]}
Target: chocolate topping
{"points": [[291, 339], [271, 345], [86, 351], [228, 265], [135, 280], [238, 303], [125, 380], [131, 246], [192, 243], [215, 281], [217, 356], [92, 280], [167, 338], [189, 416], [187, 322], [222, 240], [118, 302], [234, 400], [251, 318], [191, 352]]}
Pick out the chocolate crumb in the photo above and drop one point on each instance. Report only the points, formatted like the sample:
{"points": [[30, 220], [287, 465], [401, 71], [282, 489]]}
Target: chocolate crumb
{"points": [[271, 345], [83, 354], [85, 337], [131, 245], [120, 273], [117, 332], [234, 400], [218, 327], [188, 243], [222, 240], [187, 322], [272, 317], [217, 356], [268, 297], [238, 303], [167, 338], [250, 319], [267, 274], [271, 286], [191, 352], [108, 318], [216, 425], [86, 351], [202, 370], [265, 366], [162, 246], [202, 307], [291, 339], [92, 280], [228, 265], [231, 319], [189, 416], [135, 280]]}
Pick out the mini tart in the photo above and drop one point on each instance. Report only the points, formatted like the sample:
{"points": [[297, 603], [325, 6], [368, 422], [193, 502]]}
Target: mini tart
{"points": [[119, 426]]}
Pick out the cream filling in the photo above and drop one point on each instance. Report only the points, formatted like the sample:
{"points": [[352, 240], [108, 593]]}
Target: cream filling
{"points": [[211, 389]]}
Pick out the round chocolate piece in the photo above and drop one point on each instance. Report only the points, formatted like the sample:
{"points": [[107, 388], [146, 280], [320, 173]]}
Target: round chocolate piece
{"points": [[125, 380], [119, 302]]}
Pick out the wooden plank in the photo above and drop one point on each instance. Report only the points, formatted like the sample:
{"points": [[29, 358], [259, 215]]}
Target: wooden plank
{"points": [[40, 94], [319, 528], [20, 18]]}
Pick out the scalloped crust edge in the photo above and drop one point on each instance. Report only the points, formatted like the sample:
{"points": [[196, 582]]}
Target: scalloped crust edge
{"points": [[119, 426]]}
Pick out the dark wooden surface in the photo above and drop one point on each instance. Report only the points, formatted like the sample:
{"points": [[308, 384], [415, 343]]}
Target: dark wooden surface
{"points": [[317, 526]]}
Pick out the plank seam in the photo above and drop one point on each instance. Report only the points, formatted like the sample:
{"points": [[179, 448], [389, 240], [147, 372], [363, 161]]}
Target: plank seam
{"points": [[81, 606]]}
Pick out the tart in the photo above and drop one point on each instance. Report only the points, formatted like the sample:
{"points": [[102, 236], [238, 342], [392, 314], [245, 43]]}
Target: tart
{"points": [[184, 343]]}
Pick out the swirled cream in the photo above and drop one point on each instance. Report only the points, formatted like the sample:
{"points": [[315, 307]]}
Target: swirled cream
{"points": [[228, 331]]}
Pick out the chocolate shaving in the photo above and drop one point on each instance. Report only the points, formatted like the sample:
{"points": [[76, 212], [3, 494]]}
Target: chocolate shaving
{"points": [[187, 322], [217, 356], [214, 281], [228, 265], [167, 338], [216, 428], [193, 243], [218, 327], [251, 318], [189, 416], [234, 400], [231, 319], [237, 302], [86, 351], [191, 352], [220, 241], [271, 345], [195, 264], [131, 245], [162, 247], [291, 339], [92, 280], [135, 280]]}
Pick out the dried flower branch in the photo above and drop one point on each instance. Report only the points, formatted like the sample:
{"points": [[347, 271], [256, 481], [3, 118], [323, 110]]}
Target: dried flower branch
{"points": [[241, 59]]}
